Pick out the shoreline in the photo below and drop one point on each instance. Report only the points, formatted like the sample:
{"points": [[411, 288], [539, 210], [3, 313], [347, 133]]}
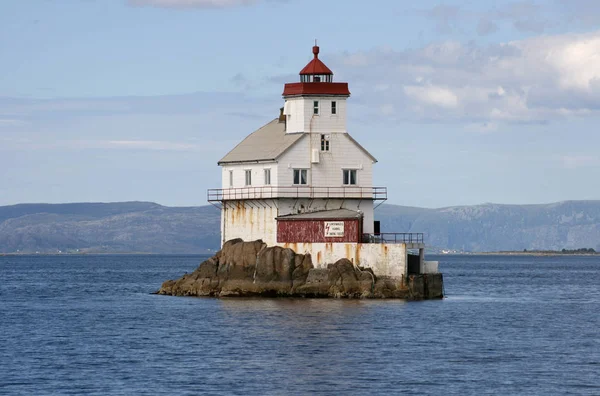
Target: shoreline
{"points": [[532, 253], [107, 254], [500, 253]]}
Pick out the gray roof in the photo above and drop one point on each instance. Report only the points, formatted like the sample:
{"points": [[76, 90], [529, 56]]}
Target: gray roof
{"points": [[265, 144], [324, 215], [268, 143]]}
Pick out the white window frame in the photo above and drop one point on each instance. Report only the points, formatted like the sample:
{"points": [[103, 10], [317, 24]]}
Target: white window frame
{"points": [[230, 178], [316, 106], [248, 177], [333, 107], [349, 173], [300, 172], [267, 173]]}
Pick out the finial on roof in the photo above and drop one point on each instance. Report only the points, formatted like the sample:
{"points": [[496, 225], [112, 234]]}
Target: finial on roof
{"points": [[315, 66]]}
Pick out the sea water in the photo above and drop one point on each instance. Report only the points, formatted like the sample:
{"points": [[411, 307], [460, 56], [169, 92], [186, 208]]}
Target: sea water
{"points": [[512, 325]]}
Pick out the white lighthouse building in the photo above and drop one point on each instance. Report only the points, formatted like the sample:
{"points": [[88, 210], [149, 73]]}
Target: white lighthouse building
{"points": [[301, 181]]}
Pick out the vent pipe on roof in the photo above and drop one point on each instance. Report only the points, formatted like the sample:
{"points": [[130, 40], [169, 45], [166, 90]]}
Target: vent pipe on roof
{"points": [[281, 115], [283, 118]]}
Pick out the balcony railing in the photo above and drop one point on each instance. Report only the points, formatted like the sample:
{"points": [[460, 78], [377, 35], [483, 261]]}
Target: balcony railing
{"points": [[394, 237], [268, 192]]}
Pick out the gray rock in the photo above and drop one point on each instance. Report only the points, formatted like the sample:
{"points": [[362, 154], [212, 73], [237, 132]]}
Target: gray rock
{"points": [[253, 269]]}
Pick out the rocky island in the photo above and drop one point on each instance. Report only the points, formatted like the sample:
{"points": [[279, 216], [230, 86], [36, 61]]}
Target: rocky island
{"points": [[300, 190], [245, 269]]}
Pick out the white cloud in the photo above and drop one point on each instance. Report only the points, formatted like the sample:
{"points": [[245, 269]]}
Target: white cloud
{"points": [[387, 109], [586, 12], [445, 17], [12, 144], [579, 161], [14, 110], [483, 127], [150, 145], [486, 26], [192, 3], [171, 123], [577, 62], [7, 122], [532, 80], [434, 95], [524, 16]]}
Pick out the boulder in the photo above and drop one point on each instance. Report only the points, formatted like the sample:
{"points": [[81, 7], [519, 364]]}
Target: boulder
{"points": [[302, 266], [253, 269], [316, 285]]}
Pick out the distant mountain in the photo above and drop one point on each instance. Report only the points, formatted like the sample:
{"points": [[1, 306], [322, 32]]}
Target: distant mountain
{"points": [[151, 228], [108, 227], [493, 227]]}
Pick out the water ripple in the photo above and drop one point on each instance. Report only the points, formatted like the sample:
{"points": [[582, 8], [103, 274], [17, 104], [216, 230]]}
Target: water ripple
{"points": [[88, 325]]}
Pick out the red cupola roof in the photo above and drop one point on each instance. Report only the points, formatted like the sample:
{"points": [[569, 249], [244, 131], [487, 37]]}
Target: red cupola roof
{"points": [[316, 79], [315, 66]]}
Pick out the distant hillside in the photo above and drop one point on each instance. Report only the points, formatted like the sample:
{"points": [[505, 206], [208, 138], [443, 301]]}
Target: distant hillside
{"points": [[493, 227], [108, 227], [151, 228]]}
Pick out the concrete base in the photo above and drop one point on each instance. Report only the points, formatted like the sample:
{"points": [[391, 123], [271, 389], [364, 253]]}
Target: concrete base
{"points": [[425, 286], [384, 259], [253, 269]]}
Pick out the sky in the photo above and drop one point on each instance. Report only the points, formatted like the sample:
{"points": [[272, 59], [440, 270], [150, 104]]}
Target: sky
{"points": [[462, 102]]}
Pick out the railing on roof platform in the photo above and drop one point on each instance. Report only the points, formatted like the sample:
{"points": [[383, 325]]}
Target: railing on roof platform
{"points": [[270, 192], [393, 237]]}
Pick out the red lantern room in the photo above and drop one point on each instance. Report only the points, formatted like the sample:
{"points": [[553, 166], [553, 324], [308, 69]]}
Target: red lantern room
{"points": [[316, 79], [316, 71]]}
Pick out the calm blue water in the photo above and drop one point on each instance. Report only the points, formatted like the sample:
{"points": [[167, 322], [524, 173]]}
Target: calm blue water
{"points": [[88, 325]]}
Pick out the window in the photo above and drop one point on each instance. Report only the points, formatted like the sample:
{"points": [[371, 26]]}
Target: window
{"points": [[349, 177], [309, 78], [316, 107], [230, 178], [333, 107], [248, 177], [267, 177], [300, 176], [324, 143]]}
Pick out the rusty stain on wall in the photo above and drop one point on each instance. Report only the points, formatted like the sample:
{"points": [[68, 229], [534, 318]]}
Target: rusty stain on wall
{"points": [[348, 249], [232, 212], [248, 221], [329, 248]]}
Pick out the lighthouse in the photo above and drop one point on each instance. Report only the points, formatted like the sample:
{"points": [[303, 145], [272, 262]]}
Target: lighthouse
{"points": [[303, 182]]}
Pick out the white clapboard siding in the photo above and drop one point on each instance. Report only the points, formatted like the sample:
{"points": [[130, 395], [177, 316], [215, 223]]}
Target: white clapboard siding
{"points": [[302, 119]]}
